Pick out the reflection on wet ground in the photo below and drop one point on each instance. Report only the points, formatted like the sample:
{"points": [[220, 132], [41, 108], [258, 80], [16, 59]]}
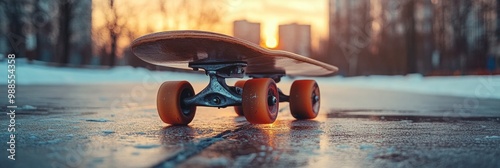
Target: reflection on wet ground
{"points": [[412, 116], [106, 126]]}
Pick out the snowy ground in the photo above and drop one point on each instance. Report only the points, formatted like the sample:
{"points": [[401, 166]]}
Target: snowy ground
{"points": [[467, 86]]}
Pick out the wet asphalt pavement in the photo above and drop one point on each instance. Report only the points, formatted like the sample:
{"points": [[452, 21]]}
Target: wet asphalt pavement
{"points": [[118, 126]]}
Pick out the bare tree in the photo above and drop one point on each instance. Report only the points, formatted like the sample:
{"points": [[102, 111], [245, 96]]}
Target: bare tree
{"points": [[115, 30], [3, 27], [42, 22], [122, 23], [460, 12], [409, 21], [424, 39], [498, 20], [15, 35], [63, 42], [191, 14], [109, 35], [481, 47]]}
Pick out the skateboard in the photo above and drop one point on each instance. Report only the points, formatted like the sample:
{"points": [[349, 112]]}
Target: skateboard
{"points": [[220, 57]]}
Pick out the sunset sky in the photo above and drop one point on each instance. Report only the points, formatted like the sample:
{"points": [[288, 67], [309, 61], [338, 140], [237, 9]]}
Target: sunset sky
{"points": [[144, 16]]}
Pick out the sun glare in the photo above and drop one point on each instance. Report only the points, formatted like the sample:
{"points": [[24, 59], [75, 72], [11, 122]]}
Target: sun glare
{"points": [[271, 42]]}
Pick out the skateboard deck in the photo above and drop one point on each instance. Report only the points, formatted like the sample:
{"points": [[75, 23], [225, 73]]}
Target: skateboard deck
{"points": [[222, 57], [177, 49]]}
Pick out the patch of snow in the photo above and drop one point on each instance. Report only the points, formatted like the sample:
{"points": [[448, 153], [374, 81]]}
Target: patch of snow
{"points": [[464, 86], [98, 160], [492, 137], [54, 141], [147, 146], [27, 107], [343, 146], [106, 132], [97, 120], [366, 146], [319, 131], [406, 121], [37, 73]]}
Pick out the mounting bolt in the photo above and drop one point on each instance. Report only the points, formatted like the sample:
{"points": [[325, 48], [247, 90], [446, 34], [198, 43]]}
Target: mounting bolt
{"points": [[239, 90], [315, 98], [271, 100], [216, 100]]}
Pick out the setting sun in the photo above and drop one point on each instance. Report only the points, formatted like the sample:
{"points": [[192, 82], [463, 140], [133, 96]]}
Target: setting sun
{"points": [[271, 42]]}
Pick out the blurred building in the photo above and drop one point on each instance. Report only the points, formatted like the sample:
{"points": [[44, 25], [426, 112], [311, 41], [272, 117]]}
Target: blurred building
{"points": [[247, 30], [416, 36], [295, 38]]}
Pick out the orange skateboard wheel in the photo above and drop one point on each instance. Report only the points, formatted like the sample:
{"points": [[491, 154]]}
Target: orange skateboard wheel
{"points": [[169, 102], [239, 109], [304, 99], [260, 101]]}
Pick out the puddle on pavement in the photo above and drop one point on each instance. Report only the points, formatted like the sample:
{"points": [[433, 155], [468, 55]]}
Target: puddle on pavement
{"points": [[408, 115]]}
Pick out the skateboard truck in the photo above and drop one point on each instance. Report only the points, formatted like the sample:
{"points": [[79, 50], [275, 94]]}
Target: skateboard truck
{"points": [[218, 93], [257, 99]]}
